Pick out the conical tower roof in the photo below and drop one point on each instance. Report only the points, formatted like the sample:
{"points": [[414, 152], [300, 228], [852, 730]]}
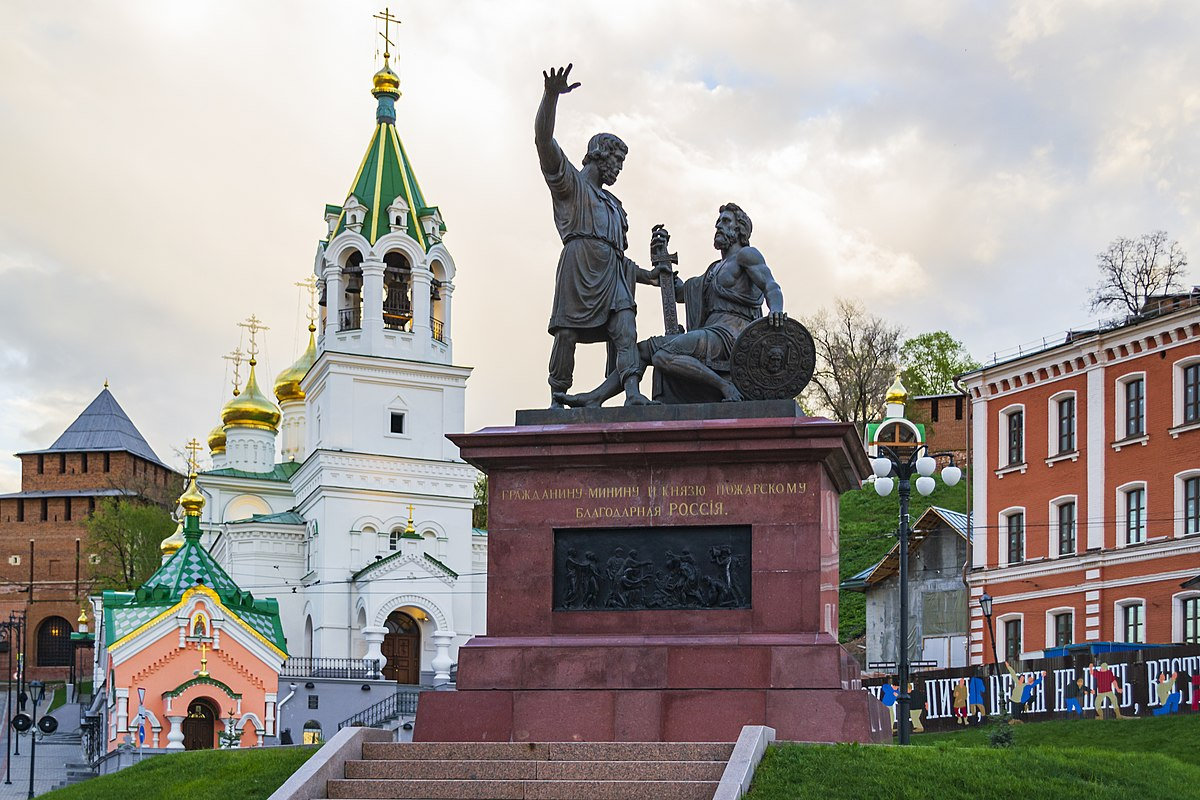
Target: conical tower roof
{"points": [[386, 172], [103, 426]]}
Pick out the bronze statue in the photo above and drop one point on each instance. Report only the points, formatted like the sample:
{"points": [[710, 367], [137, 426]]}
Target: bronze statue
{"points": [[594, 283], [724, 301]]}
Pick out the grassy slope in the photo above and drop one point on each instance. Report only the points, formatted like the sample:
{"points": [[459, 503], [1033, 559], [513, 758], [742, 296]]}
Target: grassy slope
{"points": [[868, 526], [249, 774], [1153, 757]]}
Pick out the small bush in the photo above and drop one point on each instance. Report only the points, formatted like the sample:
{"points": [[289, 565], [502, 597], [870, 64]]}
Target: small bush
{"points": [[1000, 731]]}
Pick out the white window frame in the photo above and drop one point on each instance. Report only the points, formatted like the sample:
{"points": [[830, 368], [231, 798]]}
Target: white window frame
{"points": [[1177, 393], [1119, 618], [1177, 601], [1050, 629], [1119, 408], [397, 406], [1052, 539], [1002, 555], [1002, 454], [1181, 501], [1002, 634], [1122, 531], [1052, 450]]}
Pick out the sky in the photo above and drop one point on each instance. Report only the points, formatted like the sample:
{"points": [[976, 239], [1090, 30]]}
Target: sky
{"points": [[953, 166]]}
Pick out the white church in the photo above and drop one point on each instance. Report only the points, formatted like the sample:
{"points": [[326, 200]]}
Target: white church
{"points": [[342, 497]]}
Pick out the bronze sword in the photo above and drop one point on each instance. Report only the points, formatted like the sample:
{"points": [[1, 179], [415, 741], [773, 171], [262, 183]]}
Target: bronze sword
{"points": [[660, 256]]}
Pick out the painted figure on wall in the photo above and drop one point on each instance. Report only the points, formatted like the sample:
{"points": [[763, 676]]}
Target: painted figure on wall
{"points": [[1074, 695], [1168, 695], [959, 698], [1022, 690], [976, 704], [917, 704], [1107, 689]]}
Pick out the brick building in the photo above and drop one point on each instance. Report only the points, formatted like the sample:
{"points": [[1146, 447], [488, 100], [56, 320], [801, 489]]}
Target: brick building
{"points": [[1086, 487], [44, 560]]}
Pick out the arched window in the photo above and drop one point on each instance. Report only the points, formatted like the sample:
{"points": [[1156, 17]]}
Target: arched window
{"points": [[394, 539], [54, 643], [312, 732], [200, 626]]}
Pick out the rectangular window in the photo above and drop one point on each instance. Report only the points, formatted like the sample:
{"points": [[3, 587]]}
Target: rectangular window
{"points": [[1191, 505], [958, 408], [1066, 529], [1191, 393], [313, 700], [83, 461], [1012, 639], [45, 509], [1133, 623], [1016, 538], [1191, 620], [41, 464], [1066, 425], [1016, 437], [1135, 516], [933, 410], [1064, 629], [1135, 407], [107, 461], [67, 509], [397, 422], [91, 505], [20, 510], [62, 463]]}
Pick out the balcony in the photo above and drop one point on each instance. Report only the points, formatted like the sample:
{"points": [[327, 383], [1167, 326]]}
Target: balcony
{"points": [[438, 328], [350, 319], [355, 668]]}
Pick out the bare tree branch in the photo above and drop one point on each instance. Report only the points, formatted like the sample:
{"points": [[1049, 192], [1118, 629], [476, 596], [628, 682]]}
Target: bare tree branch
{"points": [[1133, 270], [857, 354]]}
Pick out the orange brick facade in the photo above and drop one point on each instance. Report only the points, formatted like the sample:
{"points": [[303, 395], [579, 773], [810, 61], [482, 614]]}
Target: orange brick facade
{"points": [[58, 492], [1092, 513]]}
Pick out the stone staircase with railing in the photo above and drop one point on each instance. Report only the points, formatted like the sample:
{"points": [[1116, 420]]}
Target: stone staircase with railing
{"points": [[534, 771]]}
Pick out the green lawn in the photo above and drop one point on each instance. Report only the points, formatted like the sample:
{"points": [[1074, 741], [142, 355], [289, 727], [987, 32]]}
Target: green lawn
{"points": [[1092, 759], [250, 774]]}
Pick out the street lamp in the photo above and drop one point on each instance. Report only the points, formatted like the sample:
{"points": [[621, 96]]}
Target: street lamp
{"points": [[985, 605], [891, 468], [37, 691]]}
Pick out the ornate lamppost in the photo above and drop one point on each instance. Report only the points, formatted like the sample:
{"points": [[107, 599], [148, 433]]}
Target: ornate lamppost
{"points": [[896, 464], [985, 605]]}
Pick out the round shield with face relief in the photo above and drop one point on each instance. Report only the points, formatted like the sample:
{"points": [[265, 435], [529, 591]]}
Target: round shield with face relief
{"points": [[772, 362]]}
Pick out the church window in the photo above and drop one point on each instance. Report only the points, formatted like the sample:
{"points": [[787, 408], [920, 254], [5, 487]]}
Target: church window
{"points": [[397, 422], [394, 539]]}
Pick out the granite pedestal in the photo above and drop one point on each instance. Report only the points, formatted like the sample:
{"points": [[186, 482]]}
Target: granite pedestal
{"points": [[691, 642]]}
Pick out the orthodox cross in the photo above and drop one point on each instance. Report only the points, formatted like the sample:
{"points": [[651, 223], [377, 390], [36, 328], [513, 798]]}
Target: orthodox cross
{"points": [[203, 662], [310, 283], [410, 528], [236, 357], [387, 18], [254, 325], [193, 448]]}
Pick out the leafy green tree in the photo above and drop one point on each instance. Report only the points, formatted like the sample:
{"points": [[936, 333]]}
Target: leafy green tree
{"points": [[126, 533], [930, 362], [479, 516]]}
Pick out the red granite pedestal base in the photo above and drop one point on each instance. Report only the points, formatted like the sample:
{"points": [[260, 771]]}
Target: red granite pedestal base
{"points": [[551, 670]]}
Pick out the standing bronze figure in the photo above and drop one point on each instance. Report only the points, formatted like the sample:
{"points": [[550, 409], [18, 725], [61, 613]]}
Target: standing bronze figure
{"points": [[594, 284]]}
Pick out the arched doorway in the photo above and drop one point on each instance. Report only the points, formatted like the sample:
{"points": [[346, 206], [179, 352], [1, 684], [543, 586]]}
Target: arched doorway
{"points": [[54, 643], [200, 725], [402, 649]]}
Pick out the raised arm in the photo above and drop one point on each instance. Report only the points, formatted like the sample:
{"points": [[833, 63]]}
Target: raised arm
{"points": [[754, 265], [557, 82]]}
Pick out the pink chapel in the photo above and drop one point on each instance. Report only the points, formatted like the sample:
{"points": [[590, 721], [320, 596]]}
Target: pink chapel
{"points": [[191, 661]]}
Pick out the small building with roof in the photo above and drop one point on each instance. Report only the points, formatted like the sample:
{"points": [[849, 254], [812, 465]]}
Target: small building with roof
{"points": [[45, 563], [188, 661]]}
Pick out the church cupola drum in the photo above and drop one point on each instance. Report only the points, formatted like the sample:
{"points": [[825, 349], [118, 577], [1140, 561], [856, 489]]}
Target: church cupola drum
{"points": [[387, 279]]}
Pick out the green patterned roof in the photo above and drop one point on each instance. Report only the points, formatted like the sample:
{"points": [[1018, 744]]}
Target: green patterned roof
{"points": [[385, 174], [281, 472], [189, 567]]}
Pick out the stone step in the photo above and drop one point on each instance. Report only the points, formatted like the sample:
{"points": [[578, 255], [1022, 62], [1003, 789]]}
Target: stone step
{"points": [[521, 790], [529, 769], [548, 751]]}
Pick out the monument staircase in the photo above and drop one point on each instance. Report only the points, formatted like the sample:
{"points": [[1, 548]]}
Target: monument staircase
{"points": [[535, 771]]}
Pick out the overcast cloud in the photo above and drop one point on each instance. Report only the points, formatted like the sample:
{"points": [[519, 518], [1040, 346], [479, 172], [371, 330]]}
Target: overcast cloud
{"points": [[954, 166]]}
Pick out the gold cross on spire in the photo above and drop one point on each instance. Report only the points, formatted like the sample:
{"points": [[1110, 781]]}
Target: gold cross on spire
{"points": [[254, 325], [193, 448], [410, 528], [237, 356], [310, 283], [203, 662], [388, 18]]}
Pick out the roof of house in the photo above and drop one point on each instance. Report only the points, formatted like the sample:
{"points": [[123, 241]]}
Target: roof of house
{"points": [[934, 518], [103, 426]]}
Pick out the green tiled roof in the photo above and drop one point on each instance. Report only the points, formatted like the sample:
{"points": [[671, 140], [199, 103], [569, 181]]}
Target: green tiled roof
{"points": [[385, 174], [282, 472], [190, 566], [281, 518]]}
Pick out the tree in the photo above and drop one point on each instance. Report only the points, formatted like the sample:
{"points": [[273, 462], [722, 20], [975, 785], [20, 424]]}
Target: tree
{"points": [[479, 515], [1132, 270], [126, 533], [857, 354], [930, 362]]}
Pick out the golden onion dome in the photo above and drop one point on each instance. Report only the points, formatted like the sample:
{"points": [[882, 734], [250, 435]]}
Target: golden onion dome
{"points": [[897, 393], [83, 617], [287, 385], [170, 545], [216, 440], [251, 408], [386, 81], [191, 499]]}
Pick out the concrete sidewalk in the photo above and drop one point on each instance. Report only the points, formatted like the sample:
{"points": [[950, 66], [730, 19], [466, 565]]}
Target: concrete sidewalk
{"points": [[52, 758]]}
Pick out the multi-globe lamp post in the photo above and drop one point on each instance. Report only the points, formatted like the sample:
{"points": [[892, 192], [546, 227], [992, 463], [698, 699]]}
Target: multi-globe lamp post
{"points": [[893, 466]]}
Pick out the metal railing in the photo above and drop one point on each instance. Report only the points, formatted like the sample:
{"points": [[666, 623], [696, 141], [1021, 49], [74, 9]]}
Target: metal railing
{"points": [[396, 316], [350, 319], [357, 668], [402, 703], [439, 329]]}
